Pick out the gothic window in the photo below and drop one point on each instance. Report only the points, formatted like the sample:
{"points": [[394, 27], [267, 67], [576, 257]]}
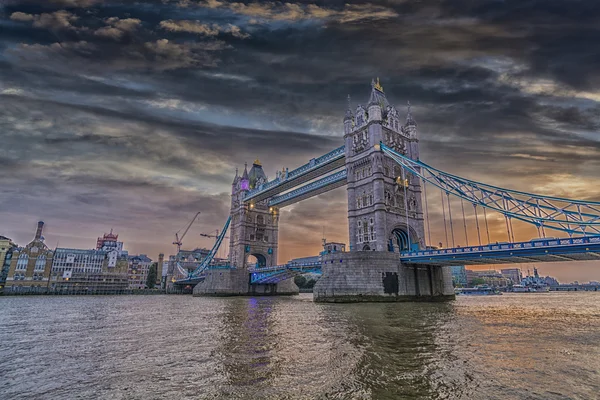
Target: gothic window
{"points": [[365, 230], [371, 230], [358, 203], [22, 261], [260, 220], [360, 232], [364, 200], [40, 263], [370, 200]]}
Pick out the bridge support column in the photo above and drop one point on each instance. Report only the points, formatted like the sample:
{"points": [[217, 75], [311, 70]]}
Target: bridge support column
{"points": [[379, 276], [236, 282]]}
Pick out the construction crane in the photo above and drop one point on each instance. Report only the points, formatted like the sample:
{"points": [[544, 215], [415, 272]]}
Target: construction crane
{"points": [[178, 240], [216, 236], [213, 236]]}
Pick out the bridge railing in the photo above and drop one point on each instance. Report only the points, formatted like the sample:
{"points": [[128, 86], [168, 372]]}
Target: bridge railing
{"points": [[312, 164], [285, 266], [505, 246]]}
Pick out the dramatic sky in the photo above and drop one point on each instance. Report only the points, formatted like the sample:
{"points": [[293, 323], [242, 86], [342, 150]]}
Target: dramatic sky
{"points": [[133, 115]]}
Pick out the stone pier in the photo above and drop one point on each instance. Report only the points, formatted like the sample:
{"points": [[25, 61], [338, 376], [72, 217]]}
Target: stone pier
{"points": [[375, 276], [236, 282]]}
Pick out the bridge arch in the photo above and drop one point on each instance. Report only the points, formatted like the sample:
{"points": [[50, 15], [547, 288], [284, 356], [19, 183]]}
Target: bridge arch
{"points": [[256, 259], [403, 239]]}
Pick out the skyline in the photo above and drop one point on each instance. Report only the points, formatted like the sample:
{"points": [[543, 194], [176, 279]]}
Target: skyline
{"points": [[134, 116]]}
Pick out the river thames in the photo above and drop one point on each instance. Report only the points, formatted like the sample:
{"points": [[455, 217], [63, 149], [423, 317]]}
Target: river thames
{"points": [[515, 346]]}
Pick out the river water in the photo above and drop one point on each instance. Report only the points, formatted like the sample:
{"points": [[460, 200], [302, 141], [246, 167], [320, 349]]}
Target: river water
{"points": [[515, 346]]}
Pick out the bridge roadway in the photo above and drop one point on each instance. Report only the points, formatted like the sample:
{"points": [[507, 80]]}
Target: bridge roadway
{"points": [[536, 251], [315, 168]]}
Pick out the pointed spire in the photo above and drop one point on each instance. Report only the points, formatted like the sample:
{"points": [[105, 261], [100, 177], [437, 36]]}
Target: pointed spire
{"points": [[409, 118], [377, 95], [348, 110], [245, 174], [237, 177]]}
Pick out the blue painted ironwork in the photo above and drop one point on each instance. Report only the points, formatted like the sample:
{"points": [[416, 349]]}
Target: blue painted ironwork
{"points": [[312, 165], [313, 188], [280, 273], [537, 250], [565, 215], [205, 263]]}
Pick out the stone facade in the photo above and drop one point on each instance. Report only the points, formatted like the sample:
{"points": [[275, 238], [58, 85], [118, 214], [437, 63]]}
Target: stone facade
{"points": [[375, 276], [30, 267], [253, 232], [384, 203], [385, 215]]}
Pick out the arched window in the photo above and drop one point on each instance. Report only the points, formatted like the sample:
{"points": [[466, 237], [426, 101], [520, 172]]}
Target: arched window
{"points": [[364, 199], [372, 230], [22, 261], [40, 263], [365, 231], [360, 232]]}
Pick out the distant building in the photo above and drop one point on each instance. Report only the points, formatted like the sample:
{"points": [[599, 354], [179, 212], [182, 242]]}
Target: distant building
{"points": [[333, 247], [187, 259], [78, 271], [470, 276], [30, 266], [138, 271], [6, 250], [159, 270], [459, 275], [514, 274]]}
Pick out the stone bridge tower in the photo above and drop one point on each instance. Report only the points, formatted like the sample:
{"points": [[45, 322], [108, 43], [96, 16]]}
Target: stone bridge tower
{"points": [[385, 214], [254, 226], [384, 203], [253, 232]]}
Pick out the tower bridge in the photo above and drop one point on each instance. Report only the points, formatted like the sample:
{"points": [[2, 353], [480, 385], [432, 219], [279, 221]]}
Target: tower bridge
{"points": [[390, 255]]}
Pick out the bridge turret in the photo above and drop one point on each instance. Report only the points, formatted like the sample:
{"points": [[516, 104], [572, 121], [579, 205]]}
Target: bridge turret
{"points": [[410, 127], [348, 119], [245, 181], [377, 102]]}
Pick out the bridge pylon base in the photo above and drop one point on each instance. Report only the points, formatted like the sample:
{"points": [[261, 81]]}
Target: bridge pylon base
{"points": [[376, 276], [236, 282]]}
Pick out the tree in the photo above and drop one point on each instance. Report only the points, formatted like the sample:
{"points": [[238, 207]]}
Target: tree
{"points": [[151, 280], [478, 281], [300, 281]]}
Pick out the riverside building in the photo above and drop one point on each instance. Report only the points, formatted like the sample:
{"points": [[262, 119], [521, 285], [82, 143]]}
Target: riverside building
{"points": [[30, 266]]}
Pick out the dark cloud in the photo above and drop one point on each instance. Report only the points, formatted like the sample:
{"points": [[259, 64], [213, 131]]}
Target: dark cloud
{"points": [[137, 113]]}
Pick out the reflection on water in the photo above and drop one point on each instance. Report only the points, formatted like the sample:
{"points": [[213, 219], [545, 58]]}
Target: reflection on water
{"points": [[521, 346]]}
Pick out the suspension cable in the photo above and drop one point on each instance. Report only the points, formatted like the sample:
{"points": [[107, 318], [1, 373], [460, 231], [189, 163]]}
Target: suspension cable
{"points": [[450, 215], [444, 213], [464, 221], [427, 213], [486, 225], [477, 223], [506, 217], [512, 231]]}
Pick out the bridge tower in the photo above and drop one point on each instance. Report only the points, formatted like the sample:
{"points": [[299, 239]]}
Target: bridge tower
{"points": [[253, 241], [384, 203], [385, 214]]}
